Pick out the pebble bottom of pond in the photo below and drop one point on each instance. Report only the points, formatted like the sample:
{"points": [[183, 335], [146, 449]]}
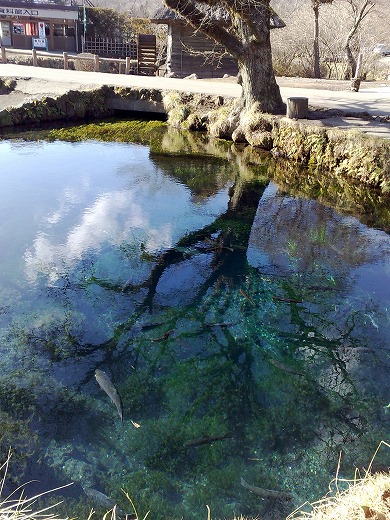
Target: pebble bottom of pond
{"points": [[241, 333]]}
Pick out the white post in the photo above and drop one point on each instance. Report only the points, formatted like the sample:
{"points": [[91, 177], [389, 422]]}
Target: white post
{"points": [[34, 58], [358, 65], [355, 82]]}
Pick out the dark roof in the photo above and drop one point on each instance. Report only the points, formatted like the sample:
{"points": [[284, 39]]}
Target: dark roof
{"points": [[33, 5], [166, 15]]}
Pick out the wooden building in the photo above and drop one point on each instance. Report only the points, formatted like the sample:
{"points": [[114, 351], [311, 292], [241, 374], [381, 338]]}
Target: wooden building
{"points": [[192, 52], [24, 25]]}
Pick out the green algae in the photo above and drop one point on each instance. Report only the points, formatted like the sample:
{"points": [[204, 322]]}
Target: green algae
{"points": [[144, 132]]}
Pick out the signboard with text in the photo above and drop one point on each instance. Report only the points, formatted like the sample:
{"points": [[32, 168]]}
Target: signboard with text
{"points": [[39, 43], [65, 14], [41, 30]]}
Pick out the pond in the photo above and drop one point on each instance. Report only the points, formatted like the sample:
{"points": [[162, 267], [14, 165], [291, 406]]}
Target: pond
{"points": [[245, 328]]}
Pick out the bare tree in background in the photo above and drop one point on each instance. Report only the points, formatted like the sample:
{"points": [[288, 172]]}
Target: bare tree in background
{"points": [[246, 36], [316, 43], [360, 10], [292, 48]]}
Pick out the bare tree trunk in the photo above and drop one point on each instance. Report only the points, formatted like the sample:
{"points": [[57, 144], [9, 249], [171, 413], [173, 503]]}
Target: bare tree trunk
{"points": [[351, 60], [360, 14], [246, 37], [316, 43], [254, 64]]}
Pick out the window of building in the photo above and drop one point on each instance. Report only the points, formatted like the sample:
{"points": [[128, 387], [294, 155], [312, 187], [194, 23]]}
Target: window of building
{"points": [[63, 30], [18, 28], [59, 30]]}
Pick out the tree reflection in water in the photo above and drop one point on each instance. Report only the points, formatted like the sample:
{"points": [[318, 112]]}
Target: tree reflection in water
{"points": [[256, 347], [276, 355]]}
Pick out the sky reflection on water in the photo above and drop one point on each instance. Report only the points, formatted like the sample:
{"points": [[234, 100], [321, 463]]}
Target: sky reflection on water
{"points": [[228, 309]]}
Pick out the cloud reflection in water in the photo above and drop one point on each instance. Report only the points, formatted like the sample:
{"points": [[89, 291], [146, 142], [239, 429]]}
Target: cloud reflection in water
{"points": [[108, 221]]}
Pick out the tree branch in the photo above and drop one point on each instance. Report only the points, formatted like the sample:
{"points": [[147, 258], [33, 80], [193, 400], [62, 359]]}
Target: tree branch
{"points": [[201, 21], [367, 6]]}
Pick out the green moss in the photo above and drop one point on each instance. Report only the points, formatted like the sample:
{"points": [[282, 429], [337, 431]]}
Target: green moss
{"points": [[261, 139], [6, 119], [194, 123], [178, 115], [145, 132], [223, 121]]}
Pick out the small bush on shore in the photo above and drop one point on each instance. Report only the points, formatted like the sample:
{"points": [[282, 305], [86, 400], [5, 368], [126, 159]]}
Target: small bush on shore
{"points": [[7, 85]]}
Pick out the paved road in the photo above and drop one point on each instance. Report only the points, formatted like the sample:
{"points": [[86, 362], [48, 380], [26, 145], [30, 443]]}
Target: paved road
{"points": [[374, 100]]}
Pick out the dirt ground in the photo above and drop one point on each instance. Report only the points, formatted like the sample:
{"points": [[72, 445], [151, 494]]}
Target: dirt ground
{"points": [[326, 84]]}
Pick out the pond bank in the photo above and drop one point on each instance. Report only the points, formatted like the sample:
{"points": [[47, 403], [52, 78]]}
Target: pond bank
{"points": [[343, 143]]}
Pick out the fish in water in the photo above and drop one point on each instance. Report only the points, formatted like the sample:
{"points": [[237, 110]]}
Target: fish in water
{"points": [[102, 500], [284, 367], [267, 493], [105, 384], [148, 326], [99, 498], [207, 440], [321, 288]]}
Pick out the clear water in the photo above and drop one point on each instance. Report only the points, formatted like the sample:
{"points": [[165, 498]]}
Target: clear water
{"points": [[246, 331]]}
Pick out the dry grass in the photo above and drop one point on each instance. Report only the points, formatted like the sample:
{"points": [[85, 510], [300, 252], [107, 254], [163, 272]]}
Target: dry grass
{"points": [[17, 507], [365, 498]]}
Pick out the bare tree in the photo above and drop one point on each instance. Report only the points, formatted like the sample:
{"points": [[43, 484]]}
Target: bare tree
{"points": [[316, 43], [360, 10], [245, 33]]}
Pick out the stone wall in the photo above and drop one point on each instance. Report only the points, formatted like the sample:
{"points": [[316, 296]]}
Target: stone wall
{"points": [[71, 106]]}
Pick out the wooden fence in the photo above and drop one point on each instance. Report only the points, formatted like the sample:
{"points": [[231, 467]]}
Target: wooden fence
{"points": [[111, 47], [141, 57], [126, 65]]}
